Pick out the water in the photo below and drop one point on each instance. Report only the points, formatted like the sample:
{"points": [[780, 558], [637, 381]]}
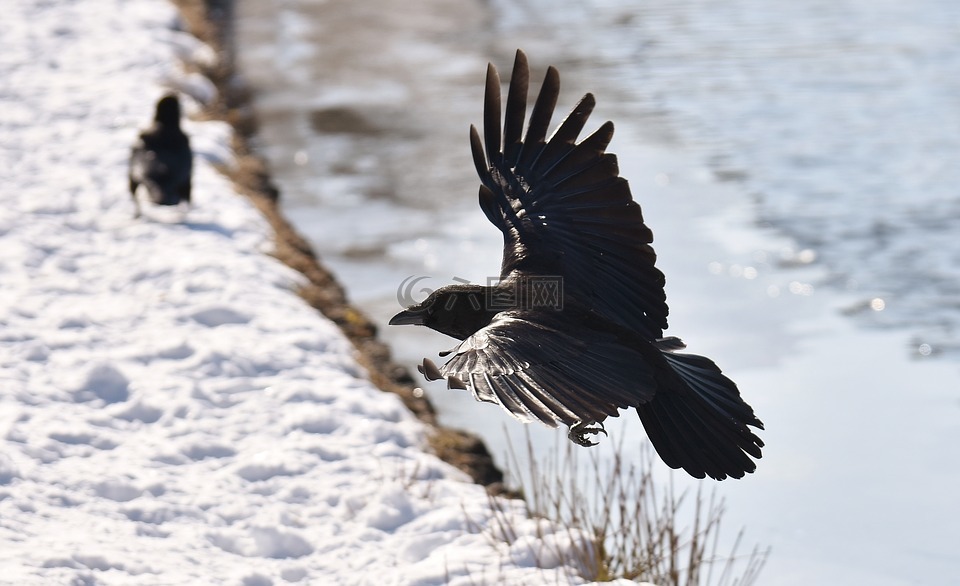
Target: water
{"points": [[797, 165]]}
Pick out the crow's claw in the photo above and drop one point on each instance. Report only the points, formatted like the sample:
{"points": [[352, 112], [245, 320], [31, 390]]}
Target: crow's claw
{"points": [[579, 431]]}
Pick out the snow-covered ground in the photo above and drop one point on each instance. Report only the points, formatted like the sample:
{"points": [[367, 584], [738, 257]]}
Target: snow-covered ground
{"points": [[170, 411]]}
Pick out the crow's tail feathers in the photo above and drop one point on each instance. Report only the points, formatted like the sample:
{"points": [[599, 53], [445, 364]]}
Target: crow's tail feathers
{"points": [[699, 422]]}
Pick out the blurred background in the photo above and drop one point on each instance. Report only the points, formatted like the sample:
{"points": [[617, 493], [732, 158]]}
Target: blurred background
{"points": [[798, 164]]}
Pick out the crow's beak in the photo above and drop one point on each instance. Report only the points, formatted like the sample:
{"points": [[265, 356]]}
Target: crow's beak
{"points": [[408, 317]]}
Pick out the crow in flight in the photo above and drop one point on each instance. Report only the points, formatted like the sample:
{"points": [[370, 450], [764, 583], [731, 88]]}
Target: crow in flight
{"points": [[573, 330], [161, 158]]}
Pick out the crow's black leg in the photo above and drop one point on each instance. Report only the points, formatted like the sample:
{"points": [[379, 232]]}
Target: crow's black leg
{"points": [[580, 430]]}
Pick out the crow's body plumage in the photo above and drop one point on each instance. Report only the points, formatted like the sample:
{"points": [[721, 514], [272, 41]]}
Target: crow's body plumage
{"points": [[161, 159], [573, 331]]}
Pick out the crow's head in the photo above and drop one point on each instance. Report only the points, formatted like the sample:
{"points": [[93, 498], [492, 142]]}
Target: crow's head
{"points": [[455, 310], [168, 110]]}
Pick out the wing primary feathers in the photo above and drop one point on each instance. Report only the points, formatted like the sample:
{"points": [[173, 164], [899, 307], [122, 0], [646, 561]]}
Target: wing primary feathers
{"points": [[575, 401], [584, 155], [429, 370], [560, 411], [565, 137], [455, 383], [491, 115], [507, 398], [481, 391], [479, 161], [488, 203], [539, 120], [516, 109], [530, 401], [602, 172]]}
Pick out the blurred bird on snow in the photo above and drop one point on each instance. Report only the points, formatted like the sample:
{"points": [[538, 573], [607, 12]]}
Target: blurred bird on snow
{"points": [[573, 330], [161, 159]]}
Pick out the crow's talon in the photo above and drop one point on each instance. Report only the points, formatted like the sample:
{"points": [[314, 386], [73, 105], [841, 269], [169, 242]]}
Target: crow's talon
{"points": [[579, 431]]}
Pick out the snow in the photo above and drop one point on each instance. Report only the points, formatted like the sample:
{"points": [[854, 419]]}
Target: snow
{"points": [[170, 411]]}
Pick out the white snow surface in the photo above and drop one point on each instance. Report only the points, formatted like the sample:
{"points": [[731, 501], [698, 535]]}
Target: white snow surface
{"points": [[170, 411]]}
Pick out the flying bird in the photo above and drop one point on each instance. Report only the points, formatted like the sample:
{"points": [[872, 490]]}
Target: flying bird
{"points": [[573, 330], [161, 158]]}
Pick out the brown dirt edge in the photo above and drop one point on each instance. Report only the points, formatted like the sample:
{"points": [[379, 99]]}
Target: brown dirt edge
{"points": [[210, 21]]}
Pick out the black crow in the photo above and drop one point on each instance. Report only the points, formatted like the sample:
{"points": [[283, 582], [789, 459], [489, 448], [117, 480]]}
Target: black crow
{"points": [[161, 158], [573, 330]]}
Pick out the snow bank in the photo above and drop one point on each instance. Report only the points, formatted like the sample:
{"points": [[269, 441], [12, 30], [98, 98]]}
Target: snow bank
{"points": [[170, 411]]}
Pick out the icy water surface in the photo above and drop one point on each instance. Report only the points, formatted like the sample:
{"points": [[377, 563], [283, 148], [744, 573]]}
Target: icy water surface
{"points": [[797, 164]]}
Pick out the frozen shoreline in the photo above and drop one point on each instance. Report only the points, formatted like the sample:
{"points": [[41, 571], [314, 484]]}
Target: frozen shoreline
{"points": [[171, 411], [251, 176]]}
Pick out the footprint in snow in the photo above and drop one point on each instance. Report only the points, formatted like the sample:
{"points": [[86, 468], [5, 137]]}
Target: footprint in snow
{"points": [[264, 542], [219, 316], [104, 382]]}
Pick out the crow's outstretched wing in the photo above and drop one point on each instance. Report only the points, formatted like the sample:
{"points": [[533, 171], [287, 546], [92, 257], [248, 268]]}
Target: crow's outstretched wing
{"points": [[562, 206], [539, 366], [547, 366]]}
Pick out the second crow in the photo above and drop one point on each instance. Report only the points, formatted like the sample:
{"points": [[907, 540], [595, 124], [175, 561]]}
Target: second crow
{"points": [[161, 159]]}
